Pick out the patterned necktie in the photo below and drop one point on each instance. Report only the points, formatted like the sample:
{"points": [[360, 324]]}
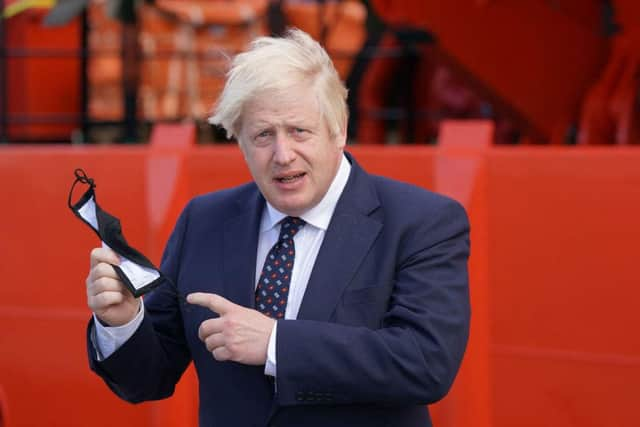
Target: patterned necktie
{"points": [[273, 287]]}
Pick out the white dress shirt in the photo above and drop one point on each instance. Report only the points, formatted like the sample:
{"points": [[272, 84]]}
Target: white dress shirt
{"points": [[307, 242]]}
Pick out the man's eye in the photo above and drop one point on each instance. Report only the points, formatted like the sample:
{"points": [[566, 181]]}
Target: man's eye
{"points": [[299, 133], [262, 138]]}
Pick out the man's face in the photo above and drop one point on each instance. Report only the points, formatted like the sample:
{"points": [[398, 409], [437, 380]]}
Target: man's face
{"points": [[286, 144]]}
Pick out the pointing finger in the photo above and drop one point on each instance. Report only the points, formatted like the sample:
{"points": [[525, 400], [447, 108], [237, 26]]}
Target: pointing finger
{"points": [[213, 302]]}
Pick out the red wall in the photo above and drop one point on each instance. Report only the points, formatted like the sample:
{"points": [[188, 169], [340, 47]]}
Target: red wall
{"points": [[553, 277], [563, 258], [44, 253]]}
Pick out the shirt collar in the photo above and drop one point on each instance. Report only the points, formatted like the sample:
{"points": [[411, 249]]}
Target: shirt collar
{"points": [[320, 215]]}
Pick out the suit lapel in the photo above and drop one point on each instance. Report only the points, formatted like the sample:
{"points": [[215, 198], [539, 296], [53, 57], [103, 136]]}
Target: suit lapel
{"points": [[348, 239], [240, 247]]}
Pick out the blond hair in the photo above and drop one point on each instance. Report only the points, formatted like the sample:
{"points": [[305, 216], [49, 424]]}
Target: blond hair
{"points": [[276, 64]]}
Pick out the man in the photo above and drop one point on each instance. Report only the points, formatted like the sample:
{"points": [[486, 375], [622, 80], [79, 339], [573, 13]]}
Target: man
{"points": [[318, 295]]}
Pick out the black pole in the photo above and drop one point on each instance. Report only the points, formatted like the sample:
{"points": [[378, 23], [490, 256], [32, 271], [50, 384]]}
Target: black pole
{"points": [[84, 77], [130, 78], [3, 82], [321, 22]]}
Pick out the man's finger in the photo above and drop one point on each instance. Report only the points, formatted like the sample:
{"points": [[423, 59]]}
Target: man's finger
{"points": [[105, 284], [210, 327], [99, 255], [104, 300], [221, 354], [214, 341], [213, 302], [103, 269]]}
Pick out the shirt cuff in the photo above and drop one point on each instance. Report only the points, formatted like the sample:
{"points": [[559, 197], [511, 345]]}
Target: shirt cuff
{"points": [[270, 365], [108, 339]]}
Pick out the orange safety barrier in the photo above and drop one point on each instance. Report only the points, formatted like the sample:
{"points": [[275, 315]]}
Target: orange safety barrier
{"points": [[552, 273]]}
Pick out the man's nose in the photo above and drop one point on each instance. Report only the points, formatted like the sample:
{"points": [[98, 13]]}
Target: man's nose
{"points": [[283, 152]]}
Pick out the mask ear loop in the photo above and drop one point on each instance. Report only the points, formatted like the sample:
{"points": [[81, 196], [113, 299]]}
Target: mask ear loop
{"points": [[81, 177]]}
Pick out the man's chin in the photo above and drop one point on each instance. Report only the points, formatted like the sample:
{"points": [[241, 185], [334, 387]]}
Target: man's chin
{"points": [[291, 207]]}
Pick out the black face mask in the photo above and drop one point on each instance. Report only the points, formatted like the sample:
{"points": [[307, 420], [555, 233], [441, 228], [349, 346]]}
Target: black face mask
{"points": [[137, 273]]}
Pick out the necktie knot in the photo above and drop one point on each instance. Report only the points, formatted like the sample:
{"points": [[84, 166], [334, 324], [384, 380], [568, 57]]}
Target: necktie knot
{"points": [[289, 227]]}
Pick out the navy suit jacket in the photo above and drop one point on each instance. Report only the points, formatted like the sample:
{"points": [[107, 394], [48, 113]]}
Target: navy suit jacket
{"points": [[380, 333]]}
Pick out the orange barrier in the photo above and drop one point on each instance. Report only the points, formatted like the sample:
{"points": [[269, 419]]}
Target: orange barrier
{"points": [[552, 273]]}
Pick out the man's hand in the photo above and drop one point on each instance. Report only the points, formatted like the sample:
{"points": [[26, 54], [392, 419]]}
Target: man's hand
{"points": [[240, 334], [106, 295]]}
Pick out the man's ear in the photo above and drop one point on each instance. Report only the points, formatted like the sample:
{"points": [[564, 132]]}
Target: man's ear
{"points": [[242, 147], [341, 138], [237, 130]]}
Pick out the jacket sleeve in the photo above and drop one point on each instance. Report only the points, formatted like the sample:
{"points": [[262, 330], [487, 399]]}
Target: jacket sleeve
{"points": [[415, 354], [150, 363]]}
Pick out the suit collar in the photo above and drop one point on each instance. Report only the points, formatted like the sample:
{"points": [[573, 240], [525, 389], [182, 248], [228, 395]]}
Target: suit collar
{"points": [[360, 194], [320, 215], [240, 246], [351, 233]]}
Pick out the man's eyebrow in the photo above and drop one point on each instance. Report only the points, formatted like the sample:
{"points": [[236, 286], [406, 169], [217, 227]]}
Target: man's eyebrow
{"points": [[302, 121], [259, 125]]}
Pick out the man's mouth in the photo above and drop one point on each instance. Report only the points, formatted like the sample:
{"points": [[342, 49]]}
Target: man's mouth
{"points": [[290, 178]]}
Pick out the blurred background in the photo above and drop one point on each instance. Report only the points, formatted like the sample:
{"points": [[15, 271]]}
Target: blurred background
{"points": [[545, 72], [526, 111]]}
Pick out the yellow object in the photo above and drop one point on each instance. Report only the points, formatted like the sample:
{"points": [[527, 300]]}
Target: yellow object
{"points": [[22, 5]]}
